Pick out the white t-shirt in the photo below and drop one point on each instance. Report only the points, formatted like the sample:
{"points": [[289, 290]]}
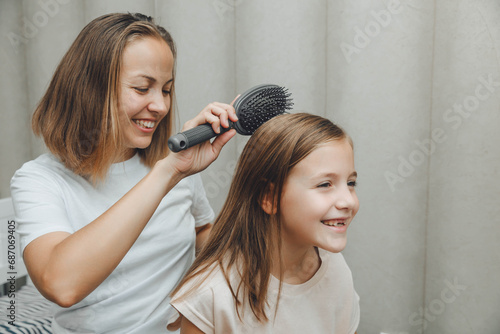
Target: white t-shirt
{"points": [[327, 303], [134, 298]]}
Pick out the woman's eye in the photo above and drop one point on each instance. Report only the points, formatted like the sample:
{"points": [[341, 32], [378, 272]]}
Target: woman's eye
{"points": [[166, 92], [352, 184], [141, 90], [324, 185]]}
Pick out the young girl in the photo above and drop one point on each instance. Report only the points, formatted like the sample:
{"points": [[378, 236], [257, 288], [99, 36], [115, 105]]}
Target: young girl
{"points": [[272, 263]]}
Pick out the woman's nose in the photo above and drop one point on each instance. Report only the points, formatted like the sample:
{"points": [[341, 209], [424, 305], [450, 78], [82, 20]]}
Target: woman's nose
{"points": [[158, 103]]}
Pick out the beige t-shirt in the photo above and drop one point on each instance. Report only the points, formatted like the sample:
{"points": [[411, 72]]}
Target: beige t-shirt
{"points": [[327, 303]]}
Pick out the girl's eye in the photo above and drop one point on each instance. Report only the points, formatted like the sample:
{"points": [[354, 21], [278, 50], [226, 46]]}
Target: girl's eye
{"points": [[166, 92], [141, 90], [352, 184], [324, 185]]}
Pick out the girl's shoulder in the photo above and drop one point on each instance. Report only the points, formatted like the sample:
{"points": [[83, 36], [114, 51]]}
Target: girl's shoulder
{"points": [[209, 280], [207, 300]]}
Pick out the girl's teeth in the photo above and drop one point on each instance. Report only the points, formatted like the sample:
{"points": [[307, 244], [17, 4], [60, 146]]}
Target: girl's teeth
{"points": [[145, 124], [334, 223]]}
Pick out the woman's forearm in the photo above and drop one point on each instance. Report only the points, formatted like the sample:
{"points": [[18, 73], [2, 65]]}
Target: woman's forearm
{"points": [[68, 267]]}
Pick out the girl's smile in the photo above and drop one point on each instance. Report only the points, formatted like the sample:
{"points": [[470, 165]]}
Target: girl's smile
{"points": [[319, 200], [337, 224]]}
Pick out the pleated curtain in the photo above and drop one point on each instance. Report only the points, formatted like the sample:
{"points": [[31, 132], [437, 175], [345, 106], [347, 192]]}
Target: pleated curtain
{"points": [[416, 84]]}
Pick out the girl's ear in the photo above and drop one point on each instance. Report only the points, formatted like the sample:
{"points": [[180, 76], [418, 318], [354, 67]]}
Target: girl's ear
{"points": [[269, 201]]}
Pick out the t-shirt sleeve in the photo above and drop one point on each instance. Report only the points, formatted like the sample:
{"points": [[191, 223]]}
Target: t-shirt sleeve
{"points": [[38, 205], [201, 209], [351, 297], [197, 307], [355, 316]]}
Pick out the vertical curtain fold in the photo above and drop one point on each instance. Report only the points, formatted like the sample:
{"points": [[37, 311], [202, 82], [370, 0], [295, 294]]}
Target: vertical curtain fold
{"points": [[463, 249], [204, 36], [15, 142]]}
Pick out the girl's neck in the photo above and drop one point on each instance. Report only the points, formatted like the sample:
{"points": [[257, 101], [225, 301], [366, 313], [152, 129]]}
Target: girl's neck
{"points": [[299, 265]]}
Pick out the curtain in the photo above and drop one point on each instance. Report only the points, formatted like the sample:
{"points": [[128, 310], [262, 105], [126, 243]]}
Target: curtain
{"points": [[416, 83]]}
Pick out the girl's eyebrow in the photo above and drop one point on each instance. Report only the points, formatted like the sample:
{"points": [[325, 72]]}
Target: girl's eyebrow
{"points": [[332, 175]]}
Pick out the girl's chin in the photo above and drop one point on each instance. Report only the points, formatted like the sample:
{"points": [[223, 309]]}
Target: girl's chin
{"points": [[334, 247]]}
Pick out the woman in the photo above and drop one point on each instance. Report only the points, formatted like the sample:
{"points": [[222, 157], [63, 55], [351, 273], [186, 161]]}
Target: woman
{"points": [[109, 219]]}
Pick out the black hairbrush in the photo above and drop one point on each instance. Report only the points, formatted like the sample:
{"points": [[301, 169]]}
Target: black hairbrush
{"points": [[253, 108]]}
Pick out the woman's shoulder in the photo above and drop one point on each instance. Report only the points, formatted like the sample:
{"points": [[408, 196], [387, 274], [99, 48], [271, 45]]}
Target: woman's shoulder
{"points": [[45, 166]]}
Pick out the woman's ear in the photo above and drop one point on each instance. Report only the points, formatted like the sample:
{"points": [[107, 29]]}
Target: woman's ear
{"points": [[269, 201]]}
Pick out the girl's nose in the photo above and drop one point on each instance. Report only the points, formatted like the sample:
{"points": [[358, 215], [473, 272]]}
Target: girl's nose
{"points": [[346, 199]]}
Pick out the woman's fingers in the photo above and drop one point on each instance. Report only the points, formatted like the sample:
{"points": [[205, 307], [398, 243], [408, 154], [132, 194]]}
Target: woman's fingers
{"points": [[217, 114], [232, 103], [217, 109], [229, 109], [225, 112], [222, 140], [200, 156]]}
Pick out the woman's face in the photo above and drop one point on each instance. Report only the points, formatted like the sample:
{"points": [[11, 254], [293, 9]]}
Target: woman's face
{"points": [[146, 79]]}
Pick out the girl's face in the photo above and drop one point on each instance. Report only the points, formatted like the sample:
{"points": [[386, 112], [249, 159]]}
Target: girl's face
{"points": [[146, 81], [319, 201]]}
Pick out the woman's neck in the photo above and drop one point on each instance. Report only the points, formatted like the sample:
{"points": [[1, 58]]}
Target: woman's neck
{"points": [[126, 155], [299, 265]]}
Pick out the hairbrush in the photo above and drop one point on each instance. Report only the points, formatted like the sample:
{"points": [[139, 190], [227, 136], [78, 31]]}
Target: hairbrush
{"points": [[253, 108]]}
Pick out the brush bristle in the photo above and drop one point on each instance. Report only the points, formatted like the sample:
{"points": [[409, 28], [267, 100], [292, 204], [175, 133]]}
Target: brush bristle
{"points": [[263, 106]]}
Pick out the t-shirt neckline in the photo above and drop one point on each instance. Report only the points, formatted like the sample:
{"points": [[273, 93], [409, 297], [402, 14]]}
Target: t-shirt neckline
{"points": [[127, 165], [299, 288]]}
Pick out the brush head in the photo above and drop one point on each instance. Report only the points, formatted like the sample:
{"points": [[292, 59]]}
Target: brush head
{"points": [[253, 108], [258, 105]]}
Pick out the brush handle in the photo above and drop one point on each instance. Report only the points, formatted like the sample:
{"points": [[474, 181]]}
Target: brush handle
{"points": [[194, 136]]}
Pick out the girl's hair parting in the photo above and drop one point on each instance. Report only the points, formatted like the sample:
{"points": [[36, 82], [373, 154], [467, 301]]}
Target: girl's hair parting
{"points": [[244, 237], [78, 117]]}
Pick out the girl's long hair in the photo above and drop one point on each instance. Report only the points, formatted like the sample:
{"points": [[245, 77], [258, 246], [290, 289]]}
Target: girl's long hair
{"points": [[244, 237], [78, 117]]}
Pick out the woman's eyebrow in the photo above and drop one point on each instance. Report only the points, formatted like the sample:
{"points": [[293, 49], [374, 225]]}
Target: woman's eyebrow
{"points": [[151, 79], [147, 77]]}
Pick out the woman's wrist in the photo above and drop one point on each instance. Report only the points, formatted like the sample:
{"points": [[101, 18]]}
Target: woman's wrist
{"points": [[165, 169]]}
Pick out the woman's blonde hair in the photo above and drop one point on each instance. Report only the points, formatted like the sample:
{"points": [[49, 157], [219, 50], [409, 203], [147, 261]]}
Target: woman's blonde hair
{"points": [[244, 236], [78, 117]]}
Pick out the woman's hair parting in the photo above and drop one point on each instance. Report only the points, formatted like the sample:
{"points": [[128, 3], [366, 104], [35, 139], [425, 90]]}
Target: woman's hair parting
{"points": [[78, 117], [244, 237]]}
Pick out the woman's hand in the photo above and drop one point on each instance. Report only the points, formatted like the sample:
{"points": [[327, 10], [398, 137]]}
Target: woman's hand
{"points": [[198, 157]]}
